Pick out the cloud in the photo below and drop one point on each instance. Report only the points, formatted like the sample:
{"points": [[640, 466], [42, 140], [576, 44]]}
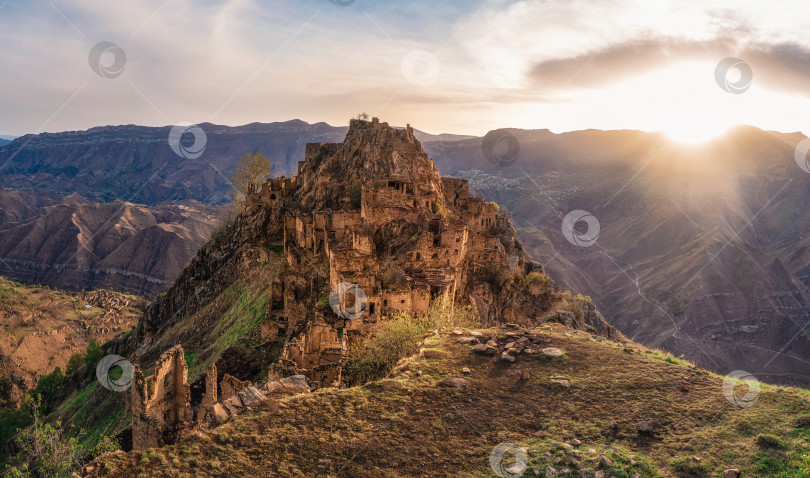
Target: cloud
{"points": [[502, 62]]}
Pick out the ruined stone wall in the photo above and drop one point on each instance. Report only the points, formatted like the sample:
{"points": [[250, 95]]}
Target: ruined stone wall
{"points": [[160, 402]]}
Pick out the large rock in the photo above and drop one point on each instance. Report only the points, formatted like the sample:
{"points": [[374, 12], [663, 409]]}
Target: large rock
{"points": [[218, 414], [251, 396], [485, 349], [552, 352], [731, 473]]}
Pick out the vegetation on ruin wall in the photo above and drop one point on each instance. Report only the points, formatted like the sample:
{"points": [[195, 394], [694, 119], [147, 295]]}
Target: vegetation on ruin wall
{"points": [[398, 336]]}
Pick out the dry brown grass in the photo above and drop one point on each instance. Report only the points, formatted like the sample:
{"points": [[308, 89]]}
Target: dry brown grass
{"points": [[425, 429]]}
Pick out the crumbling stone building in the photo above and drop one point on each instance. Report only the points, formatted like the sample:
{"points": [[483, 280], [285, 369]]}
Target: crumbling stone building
{"points": [[374, 212]]}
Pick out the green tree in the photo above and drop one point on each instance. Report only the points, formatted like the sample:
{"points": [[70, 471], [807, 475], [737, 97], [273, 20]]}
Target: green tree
{"points": [[45, 449], [94, 354], [75, 363], [251, 171], [46, 388]]}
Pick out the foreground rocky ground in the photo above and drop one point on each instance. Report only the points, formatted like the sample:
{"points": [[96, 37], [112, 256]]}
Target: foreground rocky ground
{"points": [[574, 403]]}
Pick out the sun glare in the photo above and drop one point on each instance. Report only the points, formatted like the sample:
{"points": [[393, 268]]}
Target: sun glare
{"points": [[682, 101]]}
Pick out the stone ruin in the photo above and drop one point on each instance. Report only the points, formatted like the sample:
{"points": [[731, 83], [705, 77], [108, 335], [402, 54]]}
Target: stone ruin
{"points": [[407, 238], [445, 238], [162, 409]]}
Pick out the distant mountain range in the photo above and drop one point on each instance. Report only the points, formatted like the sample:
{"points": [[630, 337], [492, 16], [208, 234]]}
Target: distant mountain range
{"points": [[702, 250]]}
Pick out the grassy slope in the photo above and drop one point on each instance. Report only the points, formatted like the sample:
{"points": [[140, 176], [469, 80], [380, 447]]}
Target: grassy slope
{"points": [[231, 320], [423, 428]]}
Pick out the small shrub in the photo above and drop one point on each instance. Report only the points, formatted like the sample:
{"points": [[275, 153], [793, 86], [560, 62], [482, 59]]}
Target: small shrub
{"points": [[398, 336], [766, 440], [354, 192], [75, 363]]}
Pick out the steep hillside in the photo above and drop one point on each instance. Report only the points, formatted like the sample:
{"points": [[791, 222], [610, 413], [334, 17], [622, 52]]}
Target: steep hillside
{"points": [[41, 328], [121, 246], [445, 412], [700, 249]]}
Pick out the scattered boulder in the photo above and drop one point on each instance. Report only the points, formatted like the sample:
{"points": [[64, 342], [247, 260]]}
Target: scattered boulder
{"points": [[251, 396], [551, 471], [575, 442], [646, 426], [288, 386], [552, 352], [477, 335], [232, 404], [455, 382], [508, 358], [296, 382], [468, 340], [561, 381], [218, 414], [600, 474], [465, 370], [731, 473], [484, 349]]}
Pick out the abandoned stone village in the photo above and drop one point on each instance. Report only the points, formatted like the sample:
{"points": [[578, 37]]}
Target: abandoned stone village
{"points": [[372, 220]]}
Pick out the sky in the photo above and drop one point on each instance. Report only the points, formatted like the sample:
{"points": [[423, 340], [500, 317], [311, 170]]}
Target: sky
{"points": [[442, 66]]}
